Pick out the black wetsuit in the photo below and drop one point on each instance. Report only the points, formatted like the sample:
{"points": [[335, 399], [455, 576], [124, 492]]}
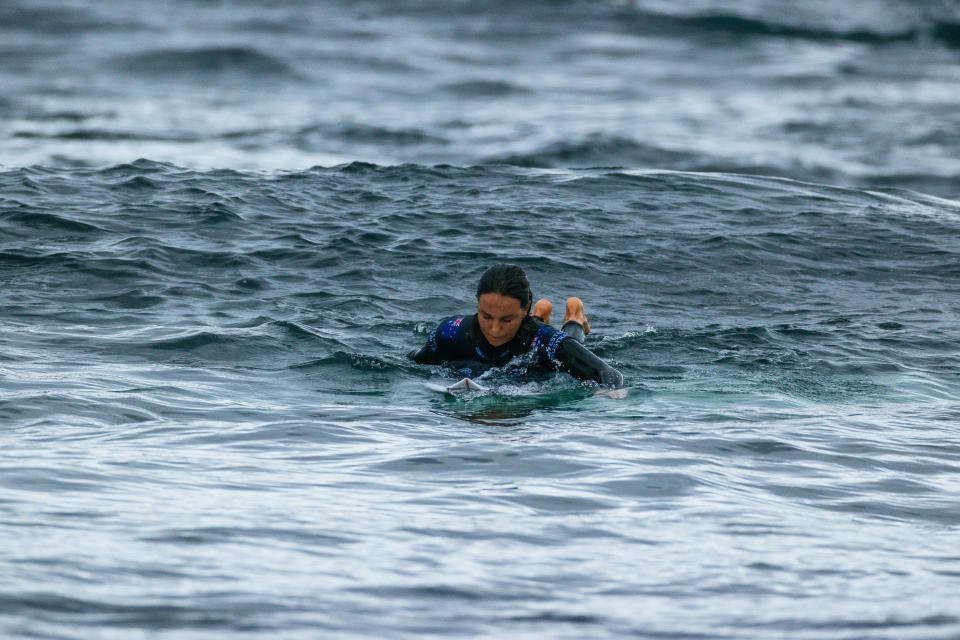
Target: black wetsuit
{"points": [[459, 342]]}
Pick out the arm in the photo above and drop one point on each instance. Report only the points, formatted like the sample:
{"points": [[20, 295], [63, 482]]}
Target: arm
{"points": [[579, 361], [435, 351], [426, 355]]}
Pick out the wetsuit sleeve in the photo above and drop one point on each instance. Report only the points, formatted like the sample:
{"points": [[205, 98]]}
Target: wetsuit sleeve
{"points": [[435, 350], [426, 355], [580, 362]]}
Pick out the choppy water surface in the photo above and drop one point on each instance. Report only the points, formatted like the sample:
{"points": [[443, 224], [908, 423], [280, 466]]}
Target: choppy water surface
{"points": [[223, 225]]}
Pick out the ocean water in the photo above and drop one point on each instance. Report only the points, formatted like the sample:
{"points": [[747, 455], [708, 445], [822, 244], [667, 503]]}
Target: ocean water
{"points": [[224, 224]]}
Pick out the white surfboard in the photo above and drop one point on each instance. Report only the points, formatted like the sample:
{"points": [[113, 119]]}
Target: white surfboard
{"points": [[463, 386]]}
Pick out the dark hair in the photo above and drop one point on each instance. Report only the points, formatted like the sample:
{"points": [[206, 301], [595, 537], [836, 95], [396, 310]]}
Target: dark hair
{"points": [[506, 280]]}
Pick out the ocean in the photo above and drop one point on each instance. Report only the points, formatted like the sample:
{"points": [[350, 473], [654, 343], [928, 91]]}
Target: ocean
{"points": [[225, 224]]}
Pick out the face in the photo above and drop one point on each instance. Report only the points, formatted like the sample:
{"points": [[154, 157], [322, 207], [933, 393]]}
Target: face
{"points": [[500, 317]]}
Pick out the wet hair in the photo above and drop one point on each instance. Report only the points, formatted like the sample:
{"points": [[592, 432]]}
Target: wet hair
{"points": [[506, 280]]}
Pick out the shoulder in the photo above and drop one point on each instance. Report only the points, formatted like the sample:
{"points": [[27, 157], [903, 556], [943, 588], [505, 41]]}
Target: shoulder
{"points": [[441, 341], [447, 330]]}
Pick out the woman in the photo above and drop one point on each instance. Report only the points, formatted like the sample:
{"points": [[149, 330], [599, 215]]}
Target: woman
{"points": [[503, 328]]}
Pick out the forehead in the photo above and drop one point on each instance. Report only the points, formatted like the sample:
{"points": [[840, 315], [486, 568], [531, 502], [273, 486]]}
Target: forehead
{"points": [[495, 304]]}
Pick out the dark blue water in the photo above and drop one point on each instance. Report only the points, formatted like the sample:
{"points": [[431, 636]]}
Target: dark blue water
{"points": [[223, 225]]}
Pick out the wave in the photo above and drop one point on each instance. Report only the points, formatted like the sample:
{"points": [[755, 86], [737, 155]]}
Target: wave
{"points": [[947, 33], [356, 360], [198, 340], [484, 89], [945, 186], [94, 135], [600, 150], [62, 20], [137, 167], [597, 150], [369, 62], [208, 62], [875, 24], [739, 25], [89, 612], [130, 299], [36, 221], [364, 134]]}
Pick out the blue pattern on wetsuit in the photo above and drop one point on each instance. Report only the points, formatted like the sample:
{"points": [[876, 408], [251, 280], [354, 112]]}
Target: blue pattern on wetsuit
{"points": [[451, 328], [448, 332], [554, 343], [489, 358]]}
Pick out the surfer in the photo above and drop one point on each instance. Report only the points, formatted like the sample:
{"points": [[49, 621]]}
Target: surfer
{"points": [[504, 328]]}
